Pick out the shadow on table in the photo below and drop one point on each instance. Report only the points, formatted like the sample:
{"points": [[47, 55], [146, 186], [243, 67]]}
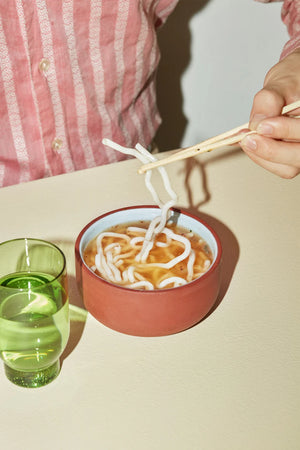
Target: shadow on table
{"points": [[78, 313], [229, 242], [78, 316]]}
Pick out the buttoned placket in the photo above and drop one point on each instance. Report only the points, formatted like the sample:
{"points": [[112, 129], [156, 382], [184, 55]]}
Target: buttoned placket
{"points": [[44, 66]]}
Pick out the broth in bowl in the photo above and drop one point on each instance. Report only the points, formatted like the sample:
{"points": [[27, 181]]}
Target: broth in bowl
{"points": [[176, 257]]}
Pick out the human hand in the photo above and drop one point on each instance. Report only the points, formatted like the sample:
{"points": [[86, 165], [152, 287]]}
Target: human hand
{"points": [[276, 146]]}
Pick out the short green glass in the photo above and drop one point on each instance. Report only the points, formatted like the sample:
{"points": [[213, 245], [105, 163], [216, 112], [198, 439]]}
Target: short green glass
{"points": [[34, 310]]}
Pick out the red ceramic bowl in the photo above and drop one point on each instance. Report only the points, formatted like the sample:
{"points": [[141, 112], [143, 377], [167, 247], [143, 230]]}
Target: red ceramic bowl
{"points": [[148, 313]]}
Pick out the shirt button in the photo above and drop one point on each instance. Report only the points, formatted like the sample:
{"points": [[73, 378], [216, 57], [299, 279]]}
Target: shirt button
{"points": [[44, 65], [57, 144]]}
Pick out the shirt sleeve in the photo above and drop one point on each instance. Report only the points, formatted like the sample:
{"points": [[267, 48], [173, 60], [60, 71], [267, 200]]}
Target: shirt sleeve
{"points": [[163, 10], [291, 17]]}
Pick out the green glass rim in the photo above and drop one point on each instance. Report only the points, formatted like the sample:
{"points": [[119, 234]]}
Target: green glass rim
{"points": [[44, 242]]}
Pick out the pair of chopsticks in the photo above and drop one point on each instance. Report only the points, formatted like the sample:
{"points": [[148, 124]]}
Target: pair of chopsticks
{"points": [[229, 137]]}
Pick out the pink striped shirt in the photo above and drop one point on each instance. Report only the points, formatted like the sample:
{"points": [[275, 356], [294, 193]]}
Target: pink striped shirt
{"points": [[75, 71], [71, 73]]}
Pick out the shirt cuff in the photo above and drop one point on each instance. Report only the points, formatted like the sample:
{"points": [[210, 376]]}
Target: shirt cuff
{"points": [[290, 46]]}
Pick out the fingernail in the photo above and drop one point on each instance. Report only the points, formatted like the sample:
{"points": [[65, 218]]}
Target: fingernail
{"points": [[249, 143], [265, 128], [255, 120]]}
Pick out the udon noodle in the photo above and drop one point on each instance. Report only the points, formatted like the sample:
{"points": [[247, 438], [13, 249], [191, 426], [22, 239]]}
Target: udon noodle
{"points": [[154, 255]]}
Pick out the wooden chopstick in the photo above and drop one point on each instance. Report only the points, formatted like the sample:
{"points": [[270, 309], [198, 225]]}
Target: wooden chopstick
{"points": [[228, 138]]}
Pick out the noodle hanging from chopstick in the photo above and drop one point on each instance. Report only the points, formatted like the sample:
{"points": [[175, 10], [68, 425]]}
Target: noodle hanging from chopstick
{"points": [[109, 259], [159, 223]]}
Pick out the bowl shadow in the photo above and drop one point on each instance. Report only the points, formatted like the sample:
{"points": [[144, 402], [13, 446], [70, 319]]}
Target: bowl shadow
{"points": [[229, 242], [230, 253]]}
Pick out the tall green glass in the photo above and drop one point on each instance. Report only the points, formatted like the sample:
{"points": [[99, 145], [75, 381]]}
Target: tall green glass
{"points": [[34, 310]]}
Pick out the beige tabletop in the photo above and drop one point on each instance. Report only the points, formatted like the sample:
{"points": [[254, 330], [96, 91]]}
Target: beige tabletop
{"points": [[229, 383]]}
